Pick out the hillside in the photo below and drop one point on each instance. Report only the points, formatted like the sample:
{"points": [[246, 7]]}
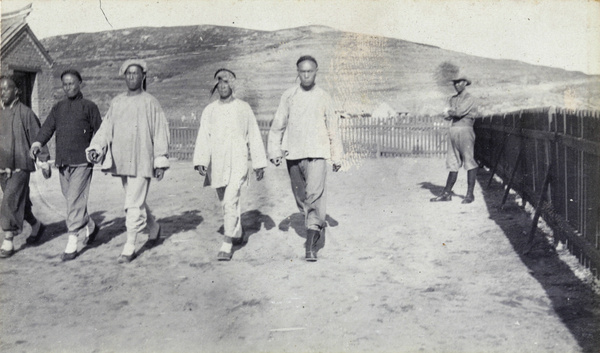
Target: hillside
{"points": [[360, 71]]}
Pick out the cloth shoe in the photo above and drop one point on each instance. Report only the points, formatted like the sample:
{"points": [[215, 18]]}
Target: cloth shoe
{"points": [[37, 230]]}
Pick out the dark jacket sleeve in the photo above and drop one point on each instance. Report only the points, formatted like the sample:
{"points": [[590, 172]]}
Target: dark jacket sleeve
{"points": [[47, 130], [95, 117], [33, 129]]}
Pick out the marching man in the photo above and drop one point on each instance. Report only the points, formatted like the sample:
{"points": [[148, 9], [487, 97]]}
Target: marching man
{"points": [[74, 120], [228, 129], [132, 144], [305, 134], [18, 126]]}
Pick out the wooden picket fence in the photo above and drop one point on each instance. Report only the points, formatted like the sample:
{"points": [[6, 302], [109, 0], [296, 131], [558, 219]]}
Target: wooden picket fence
{"points": [[551, 157], [397, 136], [364, 136]]}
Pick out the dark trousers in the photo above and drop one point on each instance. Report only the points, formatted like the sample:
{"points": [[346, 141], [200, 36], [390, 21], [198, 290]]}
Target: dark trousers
{"points": [[16, 205]]}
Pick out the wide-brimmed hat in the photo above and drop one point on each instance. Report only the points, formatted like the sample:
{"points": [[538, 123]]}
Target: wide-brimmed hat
{"points": [[461, 78]]}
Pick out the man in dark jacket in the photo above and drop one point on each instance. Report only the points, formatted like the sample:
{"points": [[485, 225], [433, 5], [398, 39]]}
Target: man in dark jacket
{"points": [[74, 120], [19, 125]]}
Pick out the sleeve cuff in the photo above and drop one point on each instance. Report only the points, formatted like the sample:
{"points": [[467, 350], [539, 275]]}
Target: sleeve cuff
{"points": [[161, 162]]}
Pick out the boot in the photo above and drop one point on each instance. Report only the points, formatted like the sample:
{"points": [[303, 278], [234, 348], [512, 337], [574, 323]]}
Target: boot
{"points": [[312, 237], [447, 193], [471, 176]]}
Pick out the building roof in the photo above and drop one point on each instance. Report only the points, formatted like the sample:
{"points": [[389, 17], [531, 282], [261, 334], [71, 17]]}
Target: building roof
{"points": [[13, 24]]}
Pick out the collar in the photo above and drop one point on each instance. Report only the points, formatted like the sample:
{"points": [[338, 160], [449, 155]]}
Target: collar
{"points": [[77, 97], [12, 104]]}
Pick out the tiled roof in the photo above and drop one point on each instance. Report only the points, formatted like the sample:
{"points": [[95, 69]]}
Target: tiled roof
{"points": [[14, 21], [13, 24]]}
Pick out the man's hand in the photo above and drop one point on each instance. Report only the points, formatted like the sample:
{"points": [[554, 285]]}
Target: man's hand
{"points": [[276, 161], [260, 173], [46, 170], [8, 173], [336, 167], [93, 156], [35, 149], [201, 169], [159, 173]]}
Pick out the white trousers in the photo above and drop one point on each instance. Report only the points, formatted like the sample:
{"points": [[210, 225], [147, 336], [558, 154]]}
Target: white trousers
{"points": [[232, 210], [138, 214]]}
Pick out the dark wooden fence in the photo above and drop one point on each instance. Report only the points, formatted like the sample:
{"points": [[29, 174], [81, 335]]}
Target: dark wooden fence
{"points": [[369, 137], [551, 157]]}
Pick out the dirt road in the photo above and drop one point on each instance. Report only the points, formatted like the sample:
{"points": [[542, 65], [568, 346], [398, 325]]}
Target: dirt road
{"points": [[396, 273]]}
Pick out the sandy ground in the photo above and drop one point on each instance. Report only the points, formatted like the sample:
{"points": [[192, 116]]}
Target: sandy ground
{"points": [[396, 273]]}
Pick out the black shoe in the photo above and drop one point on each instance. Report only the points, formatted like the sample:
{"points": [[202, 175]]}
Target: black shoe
{"points": [[90, 238], [126, 258], [446, 196], [312, 237], [34, 239], [468, 198], [5, 254], [238, 241], [224, 256], [68, 256]]}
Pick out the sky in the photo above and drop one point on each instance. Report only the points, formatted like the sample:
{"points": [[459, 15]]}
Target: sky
{"points": [[557, 33]]}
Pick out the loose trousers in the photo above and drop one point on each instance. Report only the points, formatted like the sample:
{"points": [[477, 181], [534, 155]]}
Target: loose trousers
{"points": [[16, 205], [232, 210], [461, 148], [75, 185], [308, 177], [137, 212]]}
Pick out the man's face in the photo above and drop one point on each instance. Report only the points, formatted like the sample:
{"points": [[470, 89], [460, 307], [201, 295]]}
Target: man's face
{"points": [[71, 85], [307, 71], [459, 86], [9, 91], [134, 77], [224, 88]]}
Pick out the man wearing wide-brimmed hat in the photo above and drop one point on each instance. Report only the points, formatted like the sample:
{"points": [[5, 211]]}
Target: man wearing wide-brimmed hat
{"points": [[461, 141], [132, 143], [227, 136]]}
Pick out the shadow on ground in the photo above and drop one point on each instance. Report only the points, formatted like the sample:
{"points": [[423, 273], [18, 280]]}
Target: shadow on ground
{"points": [[186, 221], [574, 301], [252, 222], [296, 222]]}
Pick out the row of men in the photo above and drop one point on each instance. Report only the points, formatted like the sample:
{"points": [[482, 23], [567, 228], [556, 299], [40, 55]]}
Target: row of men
{"points": [[131, 143]]}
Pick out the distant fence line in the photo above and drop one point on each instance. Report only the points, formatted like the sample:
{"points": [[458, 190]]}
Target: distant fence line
{"points": [[364, 136], [551, 157]]}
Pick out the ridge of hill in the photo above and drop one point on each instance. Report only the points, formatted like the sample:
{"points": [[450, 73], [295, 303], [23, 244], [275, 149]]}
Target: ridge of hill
{"points": [[360, 71]]}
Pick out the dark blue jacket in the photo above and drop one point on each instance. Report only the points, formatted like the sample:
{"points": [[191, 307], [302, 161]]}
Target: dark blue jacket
{"points": [[75, 121]]}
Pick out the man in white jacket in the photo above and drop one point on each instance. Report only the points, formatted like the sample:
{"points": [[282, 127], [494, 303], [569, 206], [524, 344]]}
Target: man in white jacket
{"points": [[305, 134], [228, 129]]}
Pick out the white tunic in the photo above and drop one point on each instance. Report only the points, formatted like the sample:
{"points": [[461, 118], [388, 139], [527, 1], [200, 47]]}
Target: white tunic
{"points": [[228, 131]]}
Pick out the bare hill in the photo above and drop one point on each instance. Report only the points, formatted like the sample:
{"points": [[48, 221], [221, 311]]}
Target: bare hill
{"points": [[360, 71]]}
